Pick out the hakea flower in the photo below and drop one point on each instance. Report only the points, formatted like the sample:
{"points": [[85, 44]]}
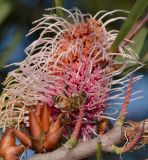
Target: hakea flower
{"points": [[44, 132], [8, 149], [69, 65]]}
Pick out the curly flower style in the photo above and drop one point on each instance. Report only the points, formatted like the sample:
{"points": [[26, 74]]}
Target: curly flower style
{"points": [[71, 52]]}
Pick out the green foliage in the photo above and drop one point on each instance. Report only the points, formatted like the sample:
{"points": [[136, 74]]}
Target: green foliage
{"points": [[5, 10], [59, 3], [94, 6], [144, 52], [136, 12], [8, 51], [139, 40]]}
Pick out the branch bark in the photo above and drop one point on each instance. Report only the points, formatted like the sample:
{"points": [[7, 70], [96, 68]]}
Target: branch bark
{"points": [[85, 149], [135, 29]]}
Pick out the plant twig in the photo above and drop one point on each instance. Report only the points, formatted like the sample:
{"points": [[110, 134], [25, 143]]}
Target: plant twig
{"points": [[108, 140], [135, 29], [85, 149], [132, 18]]}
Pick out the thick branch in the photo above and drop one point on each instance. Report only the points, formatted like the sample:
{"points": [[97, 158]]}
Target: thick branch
{"points": [[85, 149]]}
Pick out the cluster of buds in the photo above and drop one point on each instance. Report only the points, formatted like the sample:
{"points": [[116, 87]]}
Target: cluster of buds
{"points": [[44, 135]]}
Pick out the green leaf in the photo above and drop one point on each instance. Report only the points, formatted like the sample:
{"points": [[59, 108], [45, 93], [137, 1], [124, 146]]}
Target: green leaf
{"points": [[145, 60], [59, 3], [93, 6], [135, 13], [139, 40], [144, 51], [5, 9], [8, 51]]}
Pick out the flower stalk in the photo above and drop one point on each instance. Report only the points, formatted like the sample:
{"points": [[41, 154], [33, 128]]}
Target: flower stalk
{"points": [[123, 112], [74, 137]]}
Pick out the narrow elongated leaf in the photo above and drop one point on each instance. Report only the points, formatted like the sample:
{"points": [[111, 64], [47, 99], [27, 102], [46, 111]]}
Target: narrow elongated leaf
{"points": [[135, 13], [145, 60], [8, 51], [5, 10], [59, 3], [94, 6], [140, 37], [144, 51]]}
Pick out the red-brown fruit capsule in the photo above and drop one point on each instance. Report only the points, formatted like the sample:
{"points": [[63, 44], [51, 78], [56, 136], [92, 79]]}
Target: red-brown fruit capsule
{"points": [[15, 150], [7, 140], [24, 138], [10, 157], [52, 139], [45, 119], [55, 126], [35, 126], [38, 110]]}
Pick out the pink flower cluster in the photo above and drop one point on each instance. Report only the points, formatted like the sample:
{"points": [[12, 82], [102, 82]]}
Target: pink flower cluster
{"points": [[90, 79]]}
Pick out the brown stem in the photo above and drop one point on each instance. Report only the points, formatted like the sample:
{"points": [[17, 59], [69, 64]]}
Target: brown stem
{"points": [[85, 149], [135, 29]]}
